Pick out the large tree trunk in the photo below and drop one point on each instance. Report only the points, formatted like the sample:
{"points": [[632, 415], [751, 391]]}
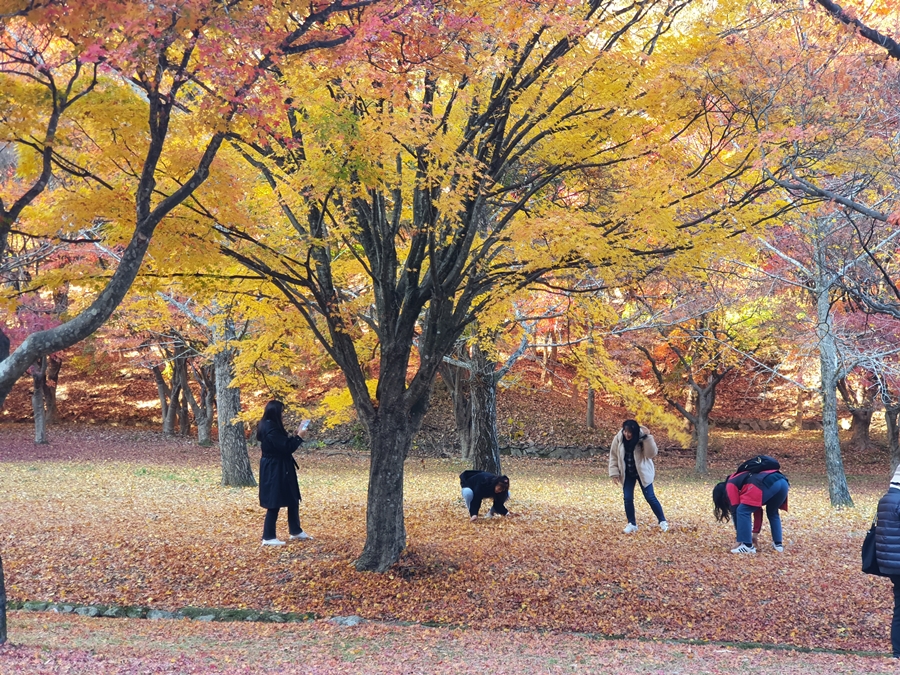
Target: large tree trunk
{"points": [[893, 435], [485, 448], [838, 489], [39, 379], [390, 437], [861, 422], [236, 469], [2, 604]]}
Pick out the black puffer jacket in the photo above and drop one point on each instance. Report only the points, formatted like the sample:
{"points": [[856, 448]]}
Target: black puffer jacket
{"points": [[887, 533], [278, 485], [482, 484]]}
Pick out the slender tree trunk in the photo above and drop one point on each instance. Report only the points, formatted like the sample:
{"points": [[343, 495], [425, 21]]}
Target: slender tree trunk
{"points": [[50, 383], [236, 469], [591, 396], [162, 390], [893, 435], [2, 604], [838, 489], [184, 419], [483, 392], [860, 425], [4, 345], [705, 401], [203, 410], [455, 378], [39, 379], [205, 423], [798, 415], [390, 437], [172, 410], [692, 405]]}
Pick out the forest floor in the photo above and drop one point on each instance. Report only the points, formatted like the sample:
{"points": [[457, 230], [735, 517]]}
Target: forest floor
{"points": [[119, 516]]}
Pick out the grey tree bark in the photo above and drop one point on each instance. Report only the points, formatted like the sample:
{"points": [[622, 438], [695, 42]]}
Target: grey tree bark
{"points": [[236, 470], [483, 389], [51, 381], [203, 409], [39, 380], [457, 380], [829, 366], [891, 415]]}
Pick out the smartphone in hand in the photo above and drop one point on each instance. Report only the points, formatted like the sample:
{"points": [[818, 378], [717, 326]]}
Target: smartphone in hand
{"points": [[304, 425]]}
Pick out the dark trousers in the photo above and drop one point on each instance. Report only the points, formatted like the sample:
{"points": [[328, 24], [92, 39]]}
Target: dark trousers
{"points": [[293, 515], [649, 495], [895, 621]]}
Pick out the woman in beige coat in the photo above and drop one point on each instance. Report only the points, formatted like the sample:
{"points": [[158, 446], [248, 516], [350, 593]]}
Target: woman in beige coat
{"points": [[631, 461]]}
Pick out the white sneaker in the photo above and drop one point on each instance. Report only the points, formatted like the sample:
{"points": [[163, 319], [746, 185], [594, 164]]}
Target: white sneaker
{"points": [[664, 525], [629, 528], [743, 548], [302, 535], [778, 547], [272, 542]]}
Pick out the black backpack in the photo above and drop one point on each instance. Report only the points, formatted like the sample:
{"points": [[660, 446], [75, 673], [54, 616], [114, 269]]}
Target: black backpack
{"points": [[758, 464]]}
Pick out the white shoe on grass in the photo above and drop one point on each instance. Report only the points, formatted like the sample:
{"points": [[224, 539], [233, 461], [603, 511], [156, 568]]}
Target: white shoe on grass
{"points": [[272, 542], [302, 535], [778, 547], [630, 528]]}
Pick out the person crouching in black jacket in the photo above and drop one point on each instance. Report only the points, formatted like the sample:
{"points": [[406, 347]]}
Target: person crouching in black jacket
{"points": [[887, 550], [278, 486], [480, 485]]}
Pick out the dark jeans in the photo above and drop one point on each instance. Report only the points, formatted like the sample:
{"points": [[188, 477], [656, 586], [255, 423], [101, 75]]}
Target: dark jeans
{"points": [[628, 488], [293, 515], [772, 498], [895, 622]]}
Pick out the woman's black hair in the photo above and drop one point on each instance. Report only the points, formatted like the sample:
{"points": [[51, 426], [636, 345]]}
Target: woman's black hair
{"points": [[272, 413], [635, 429], [503, 481], [721, 503]]}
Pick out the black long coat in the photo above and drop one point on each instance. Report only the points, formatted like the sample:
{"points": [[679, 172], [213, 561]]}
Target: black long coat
{"points": [[278, 486]]}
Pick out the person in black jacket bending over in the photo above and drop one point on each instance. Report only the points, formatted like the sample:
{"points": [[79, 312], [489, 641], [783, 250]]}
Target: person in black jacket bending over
{"points": [[887, 549], [278, 486], [480, 485]]}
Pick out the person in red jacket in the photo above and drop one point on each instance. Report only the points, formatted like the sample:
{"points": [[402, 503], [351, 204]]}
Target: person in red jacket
{"points": [[743, 495]]}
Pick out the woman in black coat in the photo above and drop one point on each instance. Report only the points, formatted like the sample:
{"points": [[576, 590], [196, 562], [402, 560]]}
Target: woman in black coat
{"points": [[480, 485], [887, 549], [278, 486]]}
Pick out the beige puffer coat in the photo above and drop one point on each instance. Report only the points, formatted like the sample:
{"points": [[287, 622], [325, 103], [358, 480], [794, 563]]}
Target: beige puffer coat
{"points": [[644, 452]]}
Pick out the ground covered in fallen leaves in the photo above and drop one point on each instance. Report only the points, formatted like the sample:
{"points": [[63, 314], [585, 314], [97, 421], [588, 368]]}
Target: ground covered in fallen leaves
{"points": [[54, 645], [115, 516]]}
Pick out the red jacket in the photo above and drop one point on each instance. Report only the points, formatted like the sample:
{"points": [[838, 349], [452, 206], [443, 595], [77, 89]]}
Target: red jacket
{"points": [[746, 488]]}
